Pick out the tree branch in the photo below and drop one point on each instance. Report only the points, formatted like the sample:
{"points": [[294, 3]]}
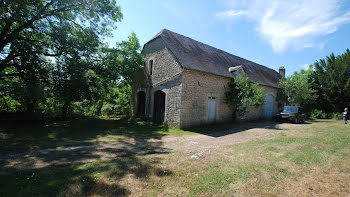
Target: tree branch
{"points": [[7, 27], [14, 34], [30, 40], [2, 77], [51, 55], [3, 63]]}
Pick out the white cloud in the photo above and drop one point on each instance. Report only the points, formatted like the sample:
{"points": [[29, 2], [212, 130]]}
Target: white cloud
{"points": [[305, 66], [231, 13], [291, 23]]}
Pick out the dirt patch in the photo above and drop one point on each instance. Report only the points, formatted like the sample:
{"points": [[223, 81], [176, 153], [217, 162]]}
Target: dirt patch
{"points": [[197, 146]]}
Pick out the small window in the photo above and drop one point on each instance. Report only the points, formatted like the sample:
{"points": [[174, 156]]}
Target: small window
{"points": [[150, 67]]}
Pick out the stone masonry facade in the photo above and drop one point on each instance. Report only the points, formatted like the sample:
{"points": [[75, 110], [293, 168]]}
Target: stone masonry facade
{"points": [[186, 91], [197, 88], [167, 76]]}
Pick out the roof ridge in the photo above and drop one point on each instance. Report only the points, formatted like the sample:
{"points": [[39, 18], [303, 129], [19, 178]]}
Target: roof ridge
{"points": [[156, 36], [196, 55], [212, 47]]}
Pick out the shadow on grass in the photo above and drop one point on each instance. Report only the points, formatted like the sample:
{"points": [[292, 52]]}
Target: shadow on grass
{"points": [[83, 171], [32, 165], [29, 136], [222, 129]]}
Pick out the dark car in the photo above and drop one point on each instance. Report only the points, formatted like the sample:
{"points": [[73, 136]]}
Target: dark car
{"points": [[293, 114]]}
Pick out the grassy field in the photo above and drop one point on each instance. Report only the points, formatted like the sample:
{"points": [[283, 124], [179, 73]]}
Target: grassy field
{"points": [[86, 131], [23, 136], [302, 160]]}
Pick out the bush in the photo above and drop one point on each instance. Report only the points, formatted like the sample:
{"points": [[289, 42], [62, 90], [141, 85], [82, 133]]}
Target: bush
{"points": [[338, 116], [319, 114], [108, 109]]}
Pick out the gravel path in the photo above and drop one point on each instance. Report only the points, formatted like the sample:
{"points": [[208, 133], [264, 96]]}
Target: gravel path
{"points": [[198, 146]]}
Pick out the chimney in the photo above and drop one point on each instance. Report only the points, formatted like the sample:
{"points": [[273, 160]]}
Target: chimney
{"points": [[282, 71]]}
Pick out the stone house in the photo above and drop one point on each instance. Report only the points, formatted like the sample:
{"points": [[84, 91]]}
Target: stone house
{"points": [[184, 81]]}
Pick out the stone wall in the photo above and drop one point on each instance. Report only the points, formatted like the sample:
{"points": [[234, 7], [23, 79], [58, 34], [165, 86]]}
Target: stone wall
{"points": [[172, 90], [141, 82], [164, 65], [254, 113], [166, 76], [197, 88]]}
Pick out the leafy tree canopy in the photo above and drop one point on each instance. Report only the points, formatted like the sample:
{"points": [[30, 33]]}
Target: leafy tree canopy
{"points": [[331, 78], [52, 60], [297, 89], [32, 29], [124, 60]]}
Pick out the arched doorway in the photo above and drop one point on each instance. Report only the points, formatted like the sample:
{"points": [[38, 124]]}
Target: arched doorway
{"points": [[269, 106], [159, 107], [141, 103]]}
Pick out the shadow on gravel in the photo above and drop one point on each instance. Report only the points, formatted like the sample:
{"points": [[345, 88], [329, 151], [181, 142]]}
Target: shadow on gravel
{"points": [[219, 130]]}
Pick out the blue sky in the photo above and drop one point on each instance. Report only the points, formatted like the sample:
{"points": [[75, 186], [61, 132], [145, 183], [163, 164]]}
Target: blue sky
{"points": [[289, 33]]}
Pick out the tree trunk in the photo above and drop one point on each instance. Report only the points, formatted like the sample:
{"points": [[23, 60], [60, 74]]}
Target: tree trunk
{"points": [[31, 109], [65, 110], [98, 110]]}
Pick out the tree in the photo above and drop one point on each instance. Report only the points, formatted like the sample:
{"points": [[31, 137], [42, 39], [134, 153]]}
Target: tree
{"points": [[28, 90], [36, 28], [44, 44], [297, 89], [52, 57], [331, 78], [242, 93], [72, 82], [124, 60], [119, 66]]}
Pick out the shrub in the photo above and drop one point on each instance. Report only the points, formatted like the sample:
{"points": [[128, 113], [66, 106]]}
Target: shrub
{"points": [[319, 114], [338, 116], [241, 94]]}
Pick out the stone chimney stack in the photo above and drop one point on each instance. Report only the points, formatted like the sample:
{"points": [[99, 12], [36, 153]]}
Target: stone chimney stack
{"points": [[282, 71]]}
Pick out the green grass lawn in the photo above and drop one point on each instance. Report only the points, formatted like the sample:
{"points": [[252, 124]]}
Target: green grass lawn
{"points": [[303, 160], [29, 136], [291, 163], [22, 136]]}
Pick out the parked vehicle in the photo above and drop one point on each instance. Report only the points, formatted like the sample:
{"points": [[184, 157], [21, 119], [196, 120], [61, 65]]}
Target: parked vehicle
{"points": [[293, 114]]}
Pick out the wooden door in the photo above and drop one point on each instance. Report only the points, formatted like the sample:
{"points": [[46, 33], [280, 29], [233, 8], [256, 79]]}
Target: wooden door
{"points": [[141, 103], [269, 106], [159, 107]]}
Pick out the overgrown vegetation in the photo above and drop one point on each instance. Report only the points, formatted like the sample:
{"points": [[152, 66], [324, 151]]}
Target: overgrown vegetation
{"points": [[322, 89], [53, 62], [242, 94], [296, 89], [331, 78]]}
